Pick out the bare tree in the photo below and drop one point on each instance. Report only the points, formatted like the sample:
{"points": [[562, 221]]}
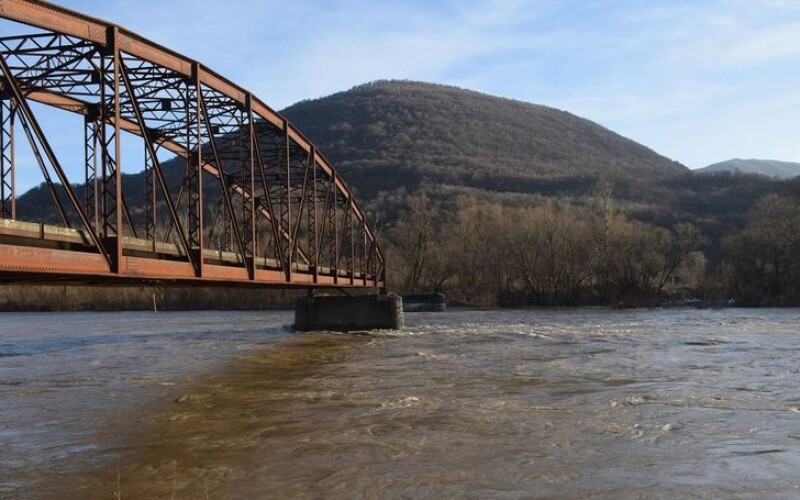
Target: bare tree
{"points": [[415, 237], [684, 239]]}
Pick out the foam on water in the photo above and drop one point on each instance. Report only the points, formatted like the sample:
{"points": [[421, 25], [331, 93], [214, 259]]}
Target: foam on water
{"points": [[499, 404]]}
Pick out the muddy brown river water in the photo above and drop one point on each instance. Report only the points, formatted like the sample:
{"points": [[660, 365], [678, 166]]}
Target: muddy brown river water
{"points": [[505, 405]]}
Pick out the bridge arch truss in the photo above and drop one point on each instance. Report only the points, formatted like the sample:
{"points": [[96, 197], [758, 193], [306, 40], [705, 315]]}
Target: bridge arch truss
{"points": [[280, 215]]}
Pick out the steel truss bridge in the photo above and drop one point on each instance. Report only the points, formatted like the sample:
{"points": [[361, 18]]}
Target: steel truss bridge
{"points": [[279, 216]]}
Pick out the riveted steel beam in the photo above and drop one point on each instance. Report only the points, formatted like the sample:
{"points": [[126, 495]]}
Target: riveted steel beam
{"points": [[283, 203]]}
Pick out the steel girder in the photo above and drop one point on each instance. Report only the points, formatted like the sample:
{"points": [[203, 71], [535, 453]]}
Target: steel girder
{"points": [[282, 215]]}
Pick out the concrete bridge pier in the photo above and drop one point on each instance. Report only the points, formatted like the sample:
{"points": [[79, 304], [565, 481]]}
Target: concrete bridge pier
{"points": [[382, 311]]}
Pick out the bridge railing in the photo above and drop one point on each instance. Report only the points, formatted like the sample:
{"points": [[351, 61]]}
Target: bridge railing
{"points": [[230, 190]]}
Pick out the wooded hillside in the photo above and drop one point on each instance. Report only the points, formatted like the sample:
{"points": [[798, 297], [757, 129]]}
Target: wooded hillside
{"points": [[467, 158], [392, 134]]}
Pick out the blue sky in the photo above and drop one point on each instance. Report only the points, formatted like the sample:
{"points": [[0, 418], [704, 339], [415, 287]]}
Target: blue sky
{"points": [[698, 81]]}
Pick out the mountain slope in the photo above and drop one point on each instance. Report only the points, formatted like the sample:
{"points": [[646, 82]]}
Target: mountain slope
{"points": [[389, 134], [389, 139], [770, 168]]}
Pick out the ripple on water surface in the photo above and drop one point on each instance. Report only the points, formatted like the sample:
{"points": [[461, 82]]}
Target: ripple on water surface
{"points": [[507, 404]]}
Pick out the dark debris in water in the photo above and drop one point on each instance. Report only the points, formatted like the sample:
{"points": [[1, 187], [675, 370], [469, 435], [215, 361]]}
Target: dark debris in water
{"points": [[705, 343], [758, 452]]}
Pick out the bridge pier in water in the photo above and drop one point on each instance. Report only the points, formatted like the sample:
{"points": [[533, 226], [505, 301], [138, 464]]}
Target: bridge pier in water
{"points": [[382, 311]]}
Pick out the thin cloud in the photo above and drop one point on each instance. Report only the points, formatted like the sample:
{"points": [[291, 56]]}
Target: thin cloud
{"points": [[663, 73]]}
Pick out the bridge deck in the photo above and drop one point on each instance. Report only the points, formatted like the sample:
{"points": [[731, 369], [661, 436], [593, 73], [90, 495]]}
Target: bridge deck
{"points": [[32, 252]]}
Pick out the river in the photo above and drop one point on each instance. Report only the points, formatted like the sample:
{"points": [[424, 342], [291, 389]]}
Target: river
{"points": [[504, 404]]}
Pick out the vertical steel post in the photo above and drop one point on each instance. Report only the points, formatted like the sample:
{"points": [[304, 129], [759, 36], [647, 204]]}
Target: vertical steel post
{"points": [[364, 256], [102, 132], [224, 242], [90, 129], [8, 201], [150, 215], [335, 235], [351, 250], [288, 187], [117, 151], [250, 221], [326, 207], [375, 263], [313, 229], [111, 190], [194, 182]]}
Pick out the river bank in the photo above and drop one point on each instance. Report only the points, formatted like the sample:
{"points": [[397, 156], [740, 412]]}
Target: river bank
{"points": [[63, 298]]}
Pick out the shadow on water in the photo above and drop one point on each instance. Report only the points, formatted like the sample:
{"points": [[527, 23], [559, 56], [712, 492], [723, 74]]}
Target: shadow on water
{"points": [[203, 443]]}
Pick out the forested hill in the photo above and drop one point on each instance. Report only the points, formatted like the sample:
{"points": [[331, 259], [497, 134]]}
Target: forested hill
{"points": [[393, 139], [388, 138], [458, 163], [391, 134]]}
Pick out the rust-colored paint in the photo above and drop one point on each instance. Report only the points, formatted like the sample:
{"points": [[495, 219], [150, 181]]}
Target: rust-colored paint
{"points": [[301, 245]]}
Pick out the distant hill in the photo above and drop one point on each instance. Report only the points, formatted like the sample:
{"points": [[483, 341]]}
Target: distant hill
{"points": [[390, 139], [770, 168], [390, 134]]}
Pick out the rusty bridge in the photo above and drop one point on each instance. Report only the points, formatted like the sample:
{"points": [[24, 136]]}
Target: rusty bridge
{"points": [[231, 193]]}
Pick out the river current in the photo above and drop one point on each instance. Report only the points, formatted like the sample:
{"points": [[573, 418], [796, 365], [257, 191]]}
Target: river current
{"points": [[505, 404]]}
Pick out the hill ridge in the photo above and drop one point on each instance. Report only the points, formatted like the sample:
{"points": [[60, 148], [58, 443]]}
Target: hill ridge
{"points": [[390, 137], [771, 168], [451, 135]]}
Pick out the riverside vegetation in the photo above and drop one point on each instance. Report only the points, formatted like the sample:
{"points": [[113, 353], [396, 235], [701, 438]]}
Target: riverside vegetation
{"points": [[591, 252], [500, 202]]}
